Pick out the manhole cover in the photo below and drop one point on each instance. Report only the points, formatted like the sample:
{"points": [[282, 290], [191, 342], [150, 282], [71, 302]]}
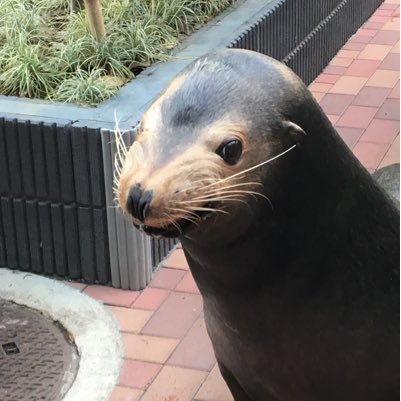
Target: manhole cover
{"points": [[37, 362]]}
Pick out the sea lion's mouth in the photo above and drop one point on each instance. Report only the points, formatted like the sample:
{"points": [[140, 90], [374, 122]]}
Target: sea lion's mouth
{"points": [[177, 229]]}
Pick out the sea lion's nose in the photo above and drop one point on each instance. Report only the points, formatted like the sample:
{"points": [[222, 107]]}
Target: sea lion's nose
{"points": [[138, 202]]}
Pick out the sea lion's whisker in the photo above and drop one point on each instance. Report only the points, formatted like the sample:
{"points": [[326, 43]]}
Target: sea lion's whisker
{"points": [[171, 221], [191, 220], [232, 186], [207, 195], [117, 172], [194, 221], [253, 168], [120, 155], [185, 213], [244, 184], [216, 199], [207, 209], [117, 163], [177, 226], [224, 198], [121, 151], [224, 192], [119, 136], [116, 178], [203, 180], [238, 192]]}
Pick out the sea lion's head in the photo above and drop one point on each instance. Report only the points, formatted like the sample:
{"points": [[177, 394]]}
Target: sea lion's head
{"points": [[199, 160]]}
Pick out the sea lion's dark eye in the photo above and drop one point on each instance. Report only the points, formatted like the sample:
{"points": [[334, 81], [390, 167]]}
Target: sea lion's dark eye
{"points": [[230, 151]]}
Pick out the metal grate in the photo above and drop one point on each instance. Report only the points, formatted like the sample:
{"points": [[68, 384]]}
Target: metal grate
{"points": [[10, 348], [36, 360]]}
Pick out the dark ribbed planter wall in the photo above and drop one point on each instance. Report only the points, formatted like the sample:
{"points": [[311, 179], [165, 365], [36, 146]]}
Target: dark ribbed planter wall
{"points": [[57, 214]]}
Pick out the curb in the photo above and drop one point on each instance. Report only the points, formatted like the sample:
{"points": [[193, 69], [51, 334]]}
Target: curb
{"points": [[95, 331]]}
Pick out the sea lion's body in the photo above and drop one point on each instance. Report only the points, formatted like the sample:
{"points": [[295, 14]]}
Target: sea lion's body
{"points": [[297, 315], [301, 293]]}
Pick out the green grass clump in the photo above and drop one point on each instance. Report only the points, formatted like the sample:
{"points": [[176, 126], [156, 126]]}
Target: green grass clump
{"points": [[88, 88], [48, 52], [26, 73]]}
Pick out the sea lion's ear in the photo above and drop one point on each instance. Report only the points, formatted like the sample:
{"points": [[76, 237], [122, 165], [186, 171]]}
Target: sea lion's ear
{"points": [[295, 131]]}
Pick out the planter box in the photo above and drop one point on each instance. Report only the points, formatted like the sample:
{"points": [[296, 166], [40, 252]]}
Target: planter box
{"points": [[57, 214]]}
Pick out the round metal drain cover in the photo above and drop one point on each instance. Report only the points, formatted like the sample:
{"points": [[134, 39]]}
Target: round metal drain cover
{"points": [[37, 361]]}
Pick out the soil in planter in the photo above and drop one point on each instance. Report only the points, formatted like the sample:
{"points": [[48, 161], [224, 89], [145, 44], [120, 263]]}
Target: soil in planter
{"points": [[48, 52]]}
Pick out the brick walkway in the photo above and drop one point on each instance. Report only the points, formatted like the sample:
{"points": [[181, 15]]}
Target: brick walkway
{"points": [[168, 356]]}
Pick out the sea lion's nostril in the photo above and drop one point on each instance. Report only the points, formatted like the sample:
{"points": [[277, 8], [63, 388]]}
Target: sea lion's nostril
{"points": [[144, 204], [138, 202], [134, 196]]}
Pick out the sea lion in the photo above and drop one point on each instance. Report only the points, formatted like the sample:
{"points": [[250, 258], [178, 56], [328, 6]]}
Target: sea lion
{"points": [[294, 247]]}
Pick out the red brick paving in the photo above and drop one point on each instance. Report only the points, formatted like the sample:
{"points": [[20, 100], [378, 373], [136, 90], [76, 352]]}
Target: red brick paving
{"points": [[370, 33], [187, 284], [384, 79], [148, 348], [327, 78], [187, 354], [151, 298], [111, 296], [386, 38], [138, 374], [354, 45], [125, 394], [175, 384], [335, 104], [321, 87], [168, 354], [376, 18], [357, 117], [335, 70], [374, 52], [350, 135], [390, 110], [357, 38], [393, 154], [130, 320], [381, 131], [362, 68], [176, 260], [175, 316], [370, 154], [167, 278], [395, 93], [391, 62], [214, 388], [333, 118], [347, 85], [374, 25], [371, 96]]}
